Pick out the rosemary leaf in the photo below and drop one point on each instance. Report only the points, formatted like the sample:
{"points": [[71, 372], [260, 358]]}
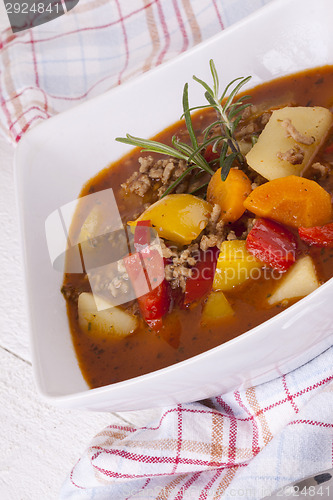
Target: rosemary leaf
{"points": [[178, 181], [227, 164], [199, 188], [235, 91], [153, 146], [209, 128], [254, 139], [203, 145], [204, 84], [236, 110], [241, 99], [195, 156], [210, 99], [215, 76], [223, 153], [235, 123], [187, 116], [228, 87], [195, 108]]}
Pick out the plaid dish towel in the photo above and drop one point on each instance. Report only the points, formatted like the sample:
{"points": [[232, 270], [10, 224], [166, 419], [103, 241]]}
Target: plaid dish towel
{"points": [[242, 444], [96, 46]]}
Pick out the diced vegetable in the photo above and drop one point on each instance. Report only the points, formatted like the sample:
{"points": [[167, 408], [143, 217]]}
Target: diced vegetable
{"points": [[108, 322], [234, 266], [272, 244], [142, 234], [146, 272], [291, 200], [329, 149], [155, 304], [321, 236], [91, 225], [209, 154], [178, 217], [229, 194], [216, 308], [201, 281], [300, 280], [274, 141], [154, 301]]}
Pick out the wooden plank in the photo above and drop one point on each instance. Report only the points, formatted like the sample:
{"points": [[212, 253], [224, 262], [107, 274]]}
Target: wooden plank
{"points": [[39, 443], [13, 318]]}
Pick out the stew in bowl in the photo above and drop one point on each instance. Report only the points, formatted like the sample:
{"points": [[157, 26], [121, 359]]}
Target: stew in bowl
{"points": [[223, 221]]}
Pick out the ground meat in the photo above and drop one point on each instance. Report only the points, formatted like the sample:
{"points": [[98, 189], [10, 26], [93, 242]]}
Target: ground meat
{"points": [[138, 184], [249, 226], [322, 169], [247, 130], [251, 123], [72, 292], [295, 134], [112, 280], [181, 262], [231, 236], [167, 251], [161, 173], [295, 155], [264, 118], [214, 216], [249, 112], [214, 232], [210, 241]]}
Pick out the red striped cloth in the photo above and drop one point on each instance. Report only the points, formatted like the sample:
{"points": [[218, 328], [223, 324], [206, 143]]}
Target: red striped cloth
{"points": [[96, 46], [244, 444]]}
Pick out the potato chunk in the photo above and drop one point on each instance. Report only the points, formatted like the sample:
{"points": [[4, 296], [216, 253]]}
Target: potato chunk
{"points": [[311, 126], [108, 322], [299, 281], [92, 224]]}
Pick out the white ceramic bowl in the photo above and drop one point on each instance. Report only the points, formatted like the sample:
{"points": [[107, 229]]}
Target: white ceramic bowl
{"points": [[56, 158]]}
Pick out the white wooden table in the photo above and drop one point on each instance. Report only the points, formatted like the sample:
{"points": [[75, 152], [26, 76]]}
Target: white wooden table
{"points": [[39, 443]]}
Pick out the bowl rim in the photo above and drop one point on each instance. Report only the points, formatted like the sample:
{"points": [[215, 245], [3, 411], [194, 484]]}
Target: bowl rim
{"points": [[86, 394]]}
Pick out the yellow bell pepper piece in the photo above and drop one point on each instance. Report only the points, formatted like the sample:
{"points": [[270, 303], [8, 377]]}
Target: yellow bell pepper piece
{"points": [[216, 307], [234, 266], [178, 217]]}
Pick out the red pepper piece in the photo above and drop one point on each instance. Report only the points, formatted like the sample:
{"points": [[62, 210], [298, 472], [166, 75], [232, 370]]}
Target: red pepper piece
{"points": [[329, 149], [202, 278], [142, 236], [136, 273], [155, 304], [146, 272], [210, 155], [272, 244], [320, 236]]}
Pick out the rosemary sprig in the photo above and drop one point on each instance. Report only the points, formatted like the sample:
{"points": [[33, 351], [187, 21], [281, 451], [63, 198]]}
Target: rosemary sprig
{"points": [[191, 153], [228, 117]]}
